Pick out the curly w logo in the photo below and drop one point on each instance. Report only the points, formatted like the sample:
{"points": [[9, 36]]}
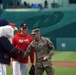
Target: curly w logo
{"points": [[44, 20]]}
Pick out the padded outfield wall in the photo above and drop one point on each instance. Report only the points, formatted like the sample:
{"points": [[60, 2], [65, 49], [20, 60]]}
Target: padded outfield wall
{"points": [[58, 25]]}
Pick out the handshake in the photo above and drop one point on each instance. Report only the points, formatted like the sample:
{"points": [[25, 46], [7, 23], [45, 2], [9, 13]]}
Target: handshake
{"points": [[16, 53]]}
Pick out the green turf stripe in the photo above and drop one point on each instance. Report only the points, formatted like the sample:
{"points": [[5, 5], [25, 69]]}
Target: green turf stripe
{"points": [[65, 56]]}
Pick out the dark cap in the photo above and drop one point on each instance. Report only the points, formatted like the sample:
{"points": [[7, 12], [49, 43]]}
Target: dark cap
{"points": [[23, 25], [4, 22], [34, 31]]}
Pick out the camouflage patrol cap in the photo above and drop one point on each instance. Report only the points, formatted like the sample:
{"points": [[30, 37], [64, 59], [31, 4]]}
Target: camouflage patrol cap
{"points": [[34, 31]]}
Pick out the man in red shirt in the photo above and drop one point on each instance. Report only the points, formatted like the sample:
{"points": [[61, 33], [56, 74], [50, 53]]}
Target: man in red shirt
{"points": [[21, 40]]}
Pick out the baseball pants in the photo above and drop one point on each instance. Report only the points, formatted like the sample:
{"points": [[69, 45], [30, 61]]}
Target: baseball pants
{"points": [[2, 69], [19, 68]]}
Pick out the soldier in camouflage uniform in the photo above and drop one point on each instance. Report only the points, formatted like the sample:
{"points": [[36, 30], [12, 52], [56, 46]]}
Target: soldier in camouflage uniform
{"points": [[44, 49]]}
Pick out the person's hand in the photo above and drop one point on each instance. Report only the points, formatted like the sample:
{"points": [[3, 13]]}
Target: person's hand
{"points": [[46, 57], [32, 64]]}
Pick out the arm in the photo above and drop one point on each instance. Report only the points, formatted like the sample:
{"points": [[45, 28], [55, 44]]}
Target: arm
{"points": [[6, 44], [28, 51], [32, 57], [9, 48], [32, 54], [51, 49]]}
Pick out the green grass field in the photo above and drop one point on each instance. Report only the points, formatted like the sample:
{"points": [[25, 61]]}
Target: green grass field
{"points": [[65, 56], [59, 56]]}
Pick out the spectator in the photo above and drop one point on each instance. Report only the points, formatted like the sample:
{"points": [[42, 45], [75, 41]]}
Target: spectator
{"points": [[18, 5], [10, 4], [45, 4], [25, 5], [1, 4]]}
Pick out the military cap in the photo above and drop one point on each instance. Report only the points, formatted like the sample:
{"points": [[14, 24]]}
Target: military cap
{"points": [[34, 31]]}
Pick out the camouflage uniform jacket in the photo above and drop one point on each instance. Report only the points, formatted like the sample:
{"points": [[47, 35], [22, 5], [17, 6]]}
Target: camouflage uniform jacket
{"points": [[41, 49]]}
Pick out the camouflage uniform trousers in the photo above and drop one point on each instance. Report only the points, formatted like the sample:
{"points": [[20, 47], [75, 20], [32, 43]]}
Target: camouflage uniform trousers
{"points": [[44, 66]]}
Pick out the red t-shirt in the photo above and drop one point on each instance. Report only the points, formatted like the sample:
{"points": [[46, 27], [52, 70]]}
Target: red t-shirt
{"points": [[22, 42]]}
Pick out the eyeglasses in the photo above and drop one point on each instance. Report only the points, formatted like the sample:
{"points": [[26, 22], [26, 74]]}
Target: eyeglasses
{"points": [[24, 29], [33, 35]]}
